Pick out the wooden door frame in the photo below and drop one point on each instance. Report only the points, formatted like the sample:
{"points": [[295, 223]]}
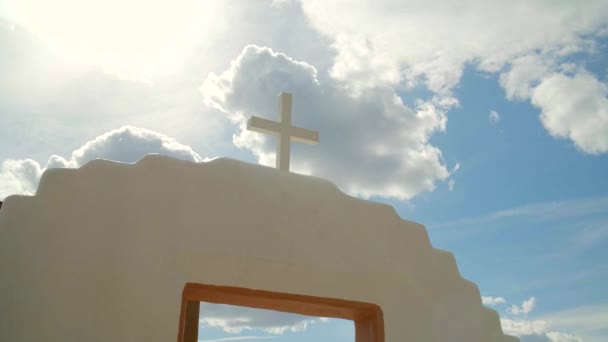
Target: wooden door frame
{"points": [[369, 322]]}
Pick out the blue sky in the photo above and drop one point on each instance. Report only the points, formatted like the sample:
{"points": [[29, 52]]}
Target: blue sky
{"points": [[486, 122]]}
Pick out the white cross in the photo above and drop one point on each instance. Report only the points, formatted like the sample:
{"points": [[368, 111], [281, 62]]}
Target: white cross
{"points": [[284, 130]]}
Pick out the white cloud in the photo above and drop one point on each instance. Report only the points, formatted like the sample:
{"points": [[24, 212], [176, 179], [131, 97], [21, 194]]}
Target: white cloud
{"points": [[19, 177], [524, 74], [575, 107], [126, 144], [434, 40], [586, 323], [361, 66], [521, 327], [203, 33], [543, 211], [555, 336], [240, 338], [526, 307], [451, 183], [79, 31], [486, 300], [408, 42], [236, 319], [535, 331], [371, 144], [494, 117], [586, 320], [572, 101], [361, 43]]}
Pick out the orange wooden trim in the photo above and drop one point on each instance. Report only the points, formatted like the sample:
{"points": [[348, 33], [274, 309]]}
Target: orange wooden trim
{"points": [[369, 322], [192, 321]]}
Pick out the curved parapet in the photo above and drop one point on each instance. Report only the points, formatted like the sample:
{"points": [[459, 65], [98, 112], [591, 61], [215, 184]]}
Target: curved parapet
{"points": [[103, 252]]}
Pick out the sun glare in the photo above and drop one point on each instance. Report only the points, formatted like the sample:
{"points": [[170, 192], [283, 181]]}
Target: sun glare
{"points": [[133, 39]]}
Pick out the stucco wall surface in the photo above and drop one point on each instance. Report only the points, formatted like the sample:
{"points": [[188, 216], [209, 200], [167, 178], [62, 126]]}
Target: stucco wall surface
{"points": [[102, 253]]}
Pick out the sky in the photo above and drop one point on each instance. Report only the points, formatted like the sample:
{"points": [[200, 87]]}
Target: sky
{"points": [[486, 121]]}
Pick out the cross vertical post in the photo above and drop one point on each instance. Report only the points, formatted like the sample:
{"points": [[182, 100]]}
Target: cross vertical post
{"points": [[284, 130], [283, 154]]}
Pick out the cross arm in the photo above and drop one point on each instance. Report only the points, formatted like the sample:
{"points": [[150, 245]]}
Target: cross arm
{"points": [[304, 135], [261, 125]]}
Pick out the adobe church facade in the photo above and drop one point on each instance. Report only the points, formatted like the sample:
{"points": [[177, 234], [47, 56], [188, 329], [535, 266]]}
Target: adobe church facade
{"points": [[104, 252]]}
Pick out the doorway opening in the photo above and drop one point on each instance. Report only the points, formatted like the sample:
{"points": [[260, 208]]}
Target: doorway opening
{"points": [[367, 317]]}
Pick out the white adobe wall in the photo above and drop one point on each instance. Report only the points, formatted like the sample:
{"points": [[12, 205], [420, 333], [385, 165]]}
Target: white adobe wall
{"points": [[101, 253]]}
